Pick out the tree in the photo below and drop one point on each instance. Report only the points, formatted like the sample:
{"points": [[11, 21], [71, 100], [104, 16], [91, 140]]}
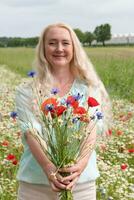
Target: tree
{"points": [[103, 33], [89, 37], [80, 35]]}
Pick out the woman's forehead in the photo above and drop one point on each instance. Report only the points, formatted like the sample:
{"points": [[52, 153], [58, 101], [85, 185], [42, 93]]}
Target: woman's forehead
{"points": [[58, 33]]}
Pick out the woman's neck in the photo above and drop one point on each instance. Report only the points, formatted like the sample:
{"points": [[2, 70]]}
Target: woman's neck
{"points": [[62, 76], [63, 80]]}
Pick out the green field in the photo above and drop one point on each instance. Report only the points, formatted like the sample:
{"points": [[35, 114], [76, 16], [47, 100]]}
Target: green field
{"points": [[114, 154], [114, 65]]}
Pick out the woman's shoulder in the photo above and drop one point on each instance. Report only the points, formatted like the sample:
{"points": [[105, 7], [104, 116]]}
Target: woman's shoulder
{"points": [[24, 88]]}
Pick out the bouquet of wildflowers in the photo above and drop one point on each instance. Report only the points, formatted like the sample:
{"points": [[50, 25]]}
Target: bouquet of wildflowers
{"points": [[65, 129]]}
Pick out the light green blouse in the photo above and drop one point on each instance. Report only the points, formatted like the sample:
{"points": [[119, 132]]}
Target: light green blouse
{"points": [[29, 170]]}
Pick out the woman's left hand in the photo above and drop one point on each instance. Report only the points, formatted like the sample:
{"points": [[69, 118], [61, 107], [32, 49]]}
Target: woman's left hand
{"points": [[75, 171]]}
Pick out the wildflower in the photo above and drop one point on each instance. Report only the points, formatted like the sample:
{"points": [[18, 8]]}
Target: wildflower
{"points": [[130, 150], [58, 111], [49, 107], [92, 102], [31, 73], [78, 96], [48, 104], [84, 118], [99, 115], [72, 102], [75, 120], [5, 143], [15, 162], [119, 132], [54, 91], [10, 157], [109, 132], [13, 114], [79, 110], [124, 167]]}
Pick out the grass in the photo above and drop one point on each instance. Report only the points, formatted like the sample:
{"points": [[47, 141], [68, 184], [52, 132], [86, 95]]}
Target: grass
{"points": [[18, 60], [115, 66], [114, 182]]}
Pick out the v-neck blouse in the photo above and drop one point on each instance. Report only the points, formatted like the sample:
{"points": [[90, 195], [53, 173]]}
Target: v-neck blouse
{"points": [[29, 169]]}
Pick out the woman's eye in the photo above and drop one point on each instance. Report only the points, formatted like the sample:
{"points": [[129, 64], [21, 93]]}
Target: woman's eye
{"points": [[66, 43], [51, 43]]}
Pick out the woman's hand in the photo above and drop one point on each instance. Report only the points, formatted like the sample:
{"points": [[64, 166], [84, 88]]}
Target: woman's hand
{"points": [[75, 171], [55, 179]]}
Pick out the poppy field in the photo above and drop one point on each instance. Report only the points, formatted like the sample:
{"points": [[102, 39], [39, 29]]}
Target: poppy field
{"points": [[115, 152]]}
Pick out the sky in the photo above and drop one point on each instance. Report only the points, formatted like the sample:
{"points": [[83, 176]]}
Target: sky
{"points": [[27, 18]]}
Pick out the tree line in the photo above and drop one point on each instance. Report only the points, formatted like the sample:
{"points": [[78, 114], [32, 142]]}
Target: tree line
{"points": [[100, 34]]}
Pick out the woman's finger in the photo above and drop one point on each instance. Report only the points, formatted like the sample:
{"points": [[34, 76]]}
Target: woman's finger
{"points": [[54, 188], [72, 169], [59, 184], [70, 177], [72, 184]]}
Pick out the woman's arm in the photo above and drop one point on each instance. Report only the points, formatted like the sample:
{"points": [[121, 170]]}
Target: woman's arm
{"points": [[47, 166]]}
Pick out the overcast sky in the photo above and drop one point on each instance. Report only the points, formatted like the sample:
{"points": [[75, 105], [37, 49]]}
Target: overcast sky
{"points": [[27, 18]]}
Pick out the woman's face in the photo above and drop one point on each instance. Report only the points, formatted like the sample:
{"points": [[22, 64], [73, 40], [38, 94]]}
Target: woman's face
{"points": [[58, 47]]}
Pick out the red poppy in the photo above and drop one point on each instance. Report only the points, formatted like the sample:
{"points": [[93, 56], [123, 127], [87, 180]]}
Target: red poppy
{"points": [[125, 118], [119, 132], [5, 143], [58, 111], [84, 119], [72, 101], [109, 132], [130, 150], [79, 110], [49, 101], [15, 162], [124, 167], [10, 157], [92, 102]]}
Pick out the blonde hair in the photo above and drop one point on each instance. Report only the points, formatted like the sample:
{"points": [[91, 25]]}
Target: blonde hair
{"points": [[80, 66]]}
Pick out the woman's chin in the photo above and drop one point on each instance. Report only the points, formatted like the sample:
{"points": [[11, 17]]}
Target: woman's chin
{"points": [[60, 64]]}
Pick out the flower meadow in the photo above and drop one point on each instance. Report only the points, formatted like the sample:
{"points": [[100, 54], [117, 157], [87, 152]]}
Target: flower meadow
{"points": [[114, 152]]}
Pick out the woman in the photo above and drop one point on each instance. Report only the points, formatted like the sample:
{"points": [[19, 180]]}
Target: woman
{"points": [[61, 63]]}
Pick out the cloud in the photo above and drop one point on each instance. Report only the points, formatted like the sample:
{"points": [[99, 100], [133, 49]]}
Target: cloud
{"points": [[28, 3], [29, 17]]}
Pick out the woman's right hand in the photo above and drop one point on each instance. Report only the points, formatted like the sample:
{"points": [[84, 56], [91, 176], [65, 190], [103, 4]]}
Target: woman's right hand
{"points": [[55, 179]]}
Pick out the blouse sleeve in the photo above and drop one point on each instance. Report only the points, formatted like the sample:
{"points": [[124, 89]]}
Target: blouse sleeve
{"points": [[24, 109]]}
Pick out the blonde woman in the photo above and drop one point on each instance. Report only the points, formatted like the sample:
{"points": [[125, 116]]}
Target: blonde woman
{"points": [[62, 63]]}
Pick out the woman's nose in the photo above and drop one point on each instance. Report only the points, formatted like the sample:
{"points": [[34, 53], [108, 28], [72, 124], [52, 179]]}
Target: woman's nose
{"points": [[59, 47]]}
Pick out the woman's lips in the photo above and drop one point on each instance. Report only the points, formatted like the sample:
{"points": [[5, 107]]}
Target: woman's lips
{"points": [[59, 56]]}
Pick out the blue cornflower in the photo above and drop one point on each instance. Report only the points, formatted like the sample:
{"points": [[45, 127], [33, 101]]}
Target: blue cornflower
{"points": [[75, 120], [49, 107], [13, 114], [54, 91], [31, 73], [78, 97], [99, 115]]}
